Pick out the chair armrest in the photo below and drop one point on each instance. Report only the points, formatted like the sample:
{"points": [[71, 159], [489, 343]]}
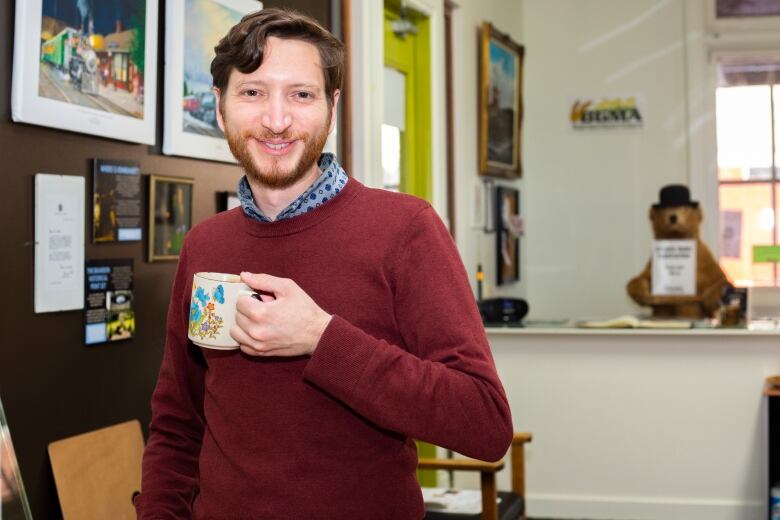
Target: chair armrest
{"points": [[521, 438], [517, 454], [460, 465]]}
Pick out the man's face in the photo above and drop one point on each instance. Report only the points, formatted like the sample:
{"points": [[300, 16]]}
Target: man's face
{"points": [[277, 118]]}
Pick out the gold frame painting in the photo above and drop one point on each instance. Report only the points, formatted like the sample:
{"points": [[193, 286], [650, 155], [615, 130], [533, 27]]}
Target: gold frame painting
{"points": [[170, 215], [500, 104]]}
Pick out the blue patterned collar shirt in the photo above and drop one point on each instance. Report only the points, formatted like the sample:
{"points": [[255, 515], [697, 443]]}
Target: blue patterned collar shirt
{"points": [[327, 186]]}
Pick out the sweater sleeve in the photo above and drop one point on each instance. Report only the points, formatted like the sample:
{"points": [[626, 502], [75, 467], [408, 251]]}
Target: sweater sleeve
{"points": [[170, 475], [442, 387]]}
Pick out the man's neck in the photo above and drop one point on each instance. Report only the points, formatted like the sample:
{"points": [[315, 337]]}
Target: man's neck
{"points": [[272, 201]]}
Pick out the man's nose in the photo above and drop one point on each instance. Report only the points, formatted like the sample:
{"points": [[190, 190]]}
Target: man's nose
{"points": [[276, 116]]}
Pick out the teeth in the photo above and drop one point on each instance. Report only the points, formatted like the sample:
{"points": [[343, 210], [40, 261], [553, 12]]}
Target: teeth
{"points": [[279, 146]]}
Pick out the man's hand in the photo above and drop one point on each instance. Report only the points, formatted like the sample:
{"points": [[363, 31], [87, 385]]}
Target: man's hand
{"points": [[289, 323]]}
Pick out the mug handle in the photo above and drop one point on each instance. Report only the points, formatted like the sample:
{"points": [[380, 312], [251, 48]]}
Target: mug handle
{"points": [[251, 294]]}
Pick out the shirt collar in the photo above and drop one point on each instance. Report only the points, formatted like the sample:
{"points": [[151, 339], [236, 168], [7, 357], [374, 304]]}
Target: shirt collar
{"points": [[325, 187]]}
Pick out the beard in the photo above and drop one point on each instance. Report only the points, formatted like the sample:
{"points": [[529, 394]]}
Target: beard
{"points": [[275, 177]]}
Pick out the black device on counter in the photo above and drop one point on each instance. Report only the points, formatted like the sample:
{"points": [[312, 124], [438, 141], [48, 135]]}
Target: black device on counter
{"points": [[503, 310]]}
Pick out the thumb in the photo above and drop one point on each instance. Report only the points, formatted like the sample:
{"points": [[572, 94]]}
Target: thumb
{"points": [[265, 284]]}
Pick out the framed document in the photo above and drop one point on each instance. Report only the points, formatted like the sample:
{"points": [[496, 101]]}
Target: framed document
{"points": [[59, 242]]}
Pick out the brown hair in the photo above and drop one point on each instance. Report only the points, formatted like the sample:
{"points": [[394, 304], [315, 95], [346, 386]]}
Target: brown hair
{"points": [[242, 47]]}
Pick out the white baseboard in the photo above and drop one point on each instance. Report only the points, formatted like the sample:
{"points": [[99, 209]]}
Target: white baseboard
{"points": [[642, 508]]}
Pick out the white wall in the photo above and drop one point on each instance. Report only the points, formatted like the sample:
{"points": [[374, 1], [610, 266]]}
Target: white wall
{"points": [[587, 194]]}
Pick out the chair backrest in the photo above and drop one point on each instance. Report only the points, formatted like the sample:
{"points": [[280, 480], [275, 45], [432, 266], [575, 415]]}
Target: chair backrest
{"points": [[96, 473]]}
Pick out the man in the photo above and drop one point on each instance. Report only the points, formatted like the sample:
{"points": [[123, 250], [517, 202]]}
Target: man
{"points": [[367, 335]]}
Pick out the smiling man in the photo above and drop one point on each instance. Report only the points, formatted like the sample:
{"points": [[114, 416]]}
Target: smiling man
{"points": [[367, 335]]}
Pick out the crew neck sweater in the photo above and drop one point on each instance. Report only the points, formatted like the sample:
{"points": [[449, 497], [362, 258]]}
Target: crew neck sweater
{"points": [[326, 436]]}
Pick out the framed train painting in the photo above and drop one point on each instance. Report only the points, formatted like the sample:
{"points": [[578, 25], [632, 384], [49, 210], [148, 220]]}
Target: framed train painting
{"points": [[190, 112], [88, 67]]}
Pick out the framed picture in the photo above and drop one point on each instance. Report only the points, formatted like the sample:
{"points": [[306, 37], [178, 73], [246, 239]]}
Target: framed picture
{"points": [[170, 216], [190, 115], [742, 15], [227, 200], [507, 222], [87, 67], [500, 104], [13, 503], [116, 201]]}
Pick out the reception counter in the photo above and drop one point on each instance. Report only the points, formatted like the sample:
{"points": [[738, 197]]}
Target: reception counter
{"points": [[641, 423]]}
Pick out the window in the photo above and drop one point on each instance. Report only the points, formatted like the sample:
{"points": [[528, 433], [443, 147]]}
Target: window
{"points": [[747, 117]]}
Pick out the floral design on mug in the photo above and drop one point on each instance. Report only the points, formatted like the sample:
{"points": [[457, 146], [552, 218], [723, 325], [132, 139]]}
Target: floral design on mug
{"points": [[204, 321]]}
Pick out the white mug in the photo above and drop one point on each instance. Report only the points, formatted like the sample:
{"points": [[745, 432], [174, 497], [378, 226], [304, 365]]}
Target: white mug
{"points": [[213, 309]]}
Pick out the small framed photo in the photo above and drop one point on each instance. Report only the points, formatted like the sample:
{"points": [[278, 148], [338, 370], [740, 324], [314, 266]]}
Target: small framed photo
{"points": [[740, 16], [192, 29], [227, 200], [508, 229], [500, 104], [170, 216], [88, 67]]}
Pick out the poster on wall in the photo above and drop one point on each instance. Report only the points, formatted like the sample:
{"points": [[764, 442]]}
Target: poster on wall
{"points": [[500, 104], [87, 66], [607, 112], [108, 305], [190, 115], [116, 201], [59, 242], [13, 498], [508, 232]]}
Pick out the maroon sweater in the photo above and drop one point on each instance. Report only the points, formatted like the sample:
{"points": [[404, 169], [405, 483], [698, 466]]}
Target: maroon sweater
{"points": [[327, 436]]}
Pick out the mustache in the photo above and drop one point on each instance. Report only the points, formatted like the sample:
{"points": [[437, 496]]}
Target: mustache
{"points": [[266, 135]]}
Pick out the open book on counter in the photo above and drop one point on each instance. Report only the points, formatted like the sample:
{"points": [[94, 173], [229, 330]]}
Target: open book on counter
{"points": [[632, 322]]}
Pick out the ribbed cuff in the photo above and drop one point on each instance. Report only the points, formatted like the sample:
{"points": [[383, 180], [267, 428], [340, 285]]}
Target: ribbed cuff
{"points": [[340, 358]]}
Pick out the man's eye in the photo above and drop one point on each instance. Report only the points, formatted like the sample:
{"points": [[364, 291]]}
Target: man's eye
{"points": [[304, 95], [251, 92]]}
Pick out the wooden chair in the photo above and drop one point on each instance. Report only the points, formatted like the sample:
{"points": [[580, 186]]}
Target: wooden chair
{"points": [[512, 505], [98, 472]]}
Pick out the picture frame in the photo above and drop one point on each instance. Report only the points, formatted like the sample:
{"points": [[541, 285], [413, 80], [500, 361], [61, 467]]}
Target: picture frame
{"points": [[227, 200], [116, 201], [733, 16], [93, 73], [507, 217], [13, 497], [500, 104], [190, 126], [170, 216]]}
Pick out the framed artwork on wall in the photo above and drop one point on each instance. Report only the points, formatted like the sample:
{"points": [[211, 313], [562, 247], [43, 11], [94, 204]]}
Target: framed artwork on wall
{"points": [[507, 222], [227, 200], [500, 104], [13, 504], [742, 15], [190, 114], [87, 67], [170, 215]]}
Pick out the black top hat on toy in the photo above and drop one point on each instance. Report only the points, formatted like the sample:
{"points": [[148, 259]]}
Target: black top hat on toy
{"points": [[675, 195]]}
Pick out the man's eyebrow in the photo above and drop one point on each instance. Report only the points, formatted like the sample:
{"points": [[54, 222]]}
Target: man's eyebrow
{"points": [[311, 86]]}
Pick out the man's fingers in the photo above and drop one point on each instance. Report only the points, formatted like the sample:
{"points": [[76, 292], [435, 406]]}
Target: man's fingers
{"points": [[267, 283]]}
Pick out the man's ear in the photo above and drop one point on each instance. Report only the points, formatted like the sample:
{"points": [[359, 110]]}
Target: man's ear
{"points": [[699, 214], [333, 110], [652, 214], [217, 96]]}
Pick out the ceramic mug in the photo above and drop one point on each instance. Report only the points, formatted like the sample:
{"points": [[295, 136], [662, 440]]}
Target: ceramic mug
{"points": [[213, 309]]}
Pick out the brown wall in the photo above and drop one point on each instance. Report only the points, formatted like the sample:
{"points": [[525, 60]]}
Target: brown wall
{"points": [[52, 385]]}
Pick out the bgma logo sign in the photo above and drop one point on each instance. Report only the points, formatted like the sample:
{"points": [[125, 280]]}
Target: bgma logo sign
{"points": [[607, 113]]}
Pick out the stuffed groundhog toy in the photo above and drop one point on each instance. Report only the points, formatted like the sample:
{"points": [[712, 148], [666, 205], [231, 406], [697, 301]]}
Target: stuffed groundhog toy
{"points": [[677, 217]]}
